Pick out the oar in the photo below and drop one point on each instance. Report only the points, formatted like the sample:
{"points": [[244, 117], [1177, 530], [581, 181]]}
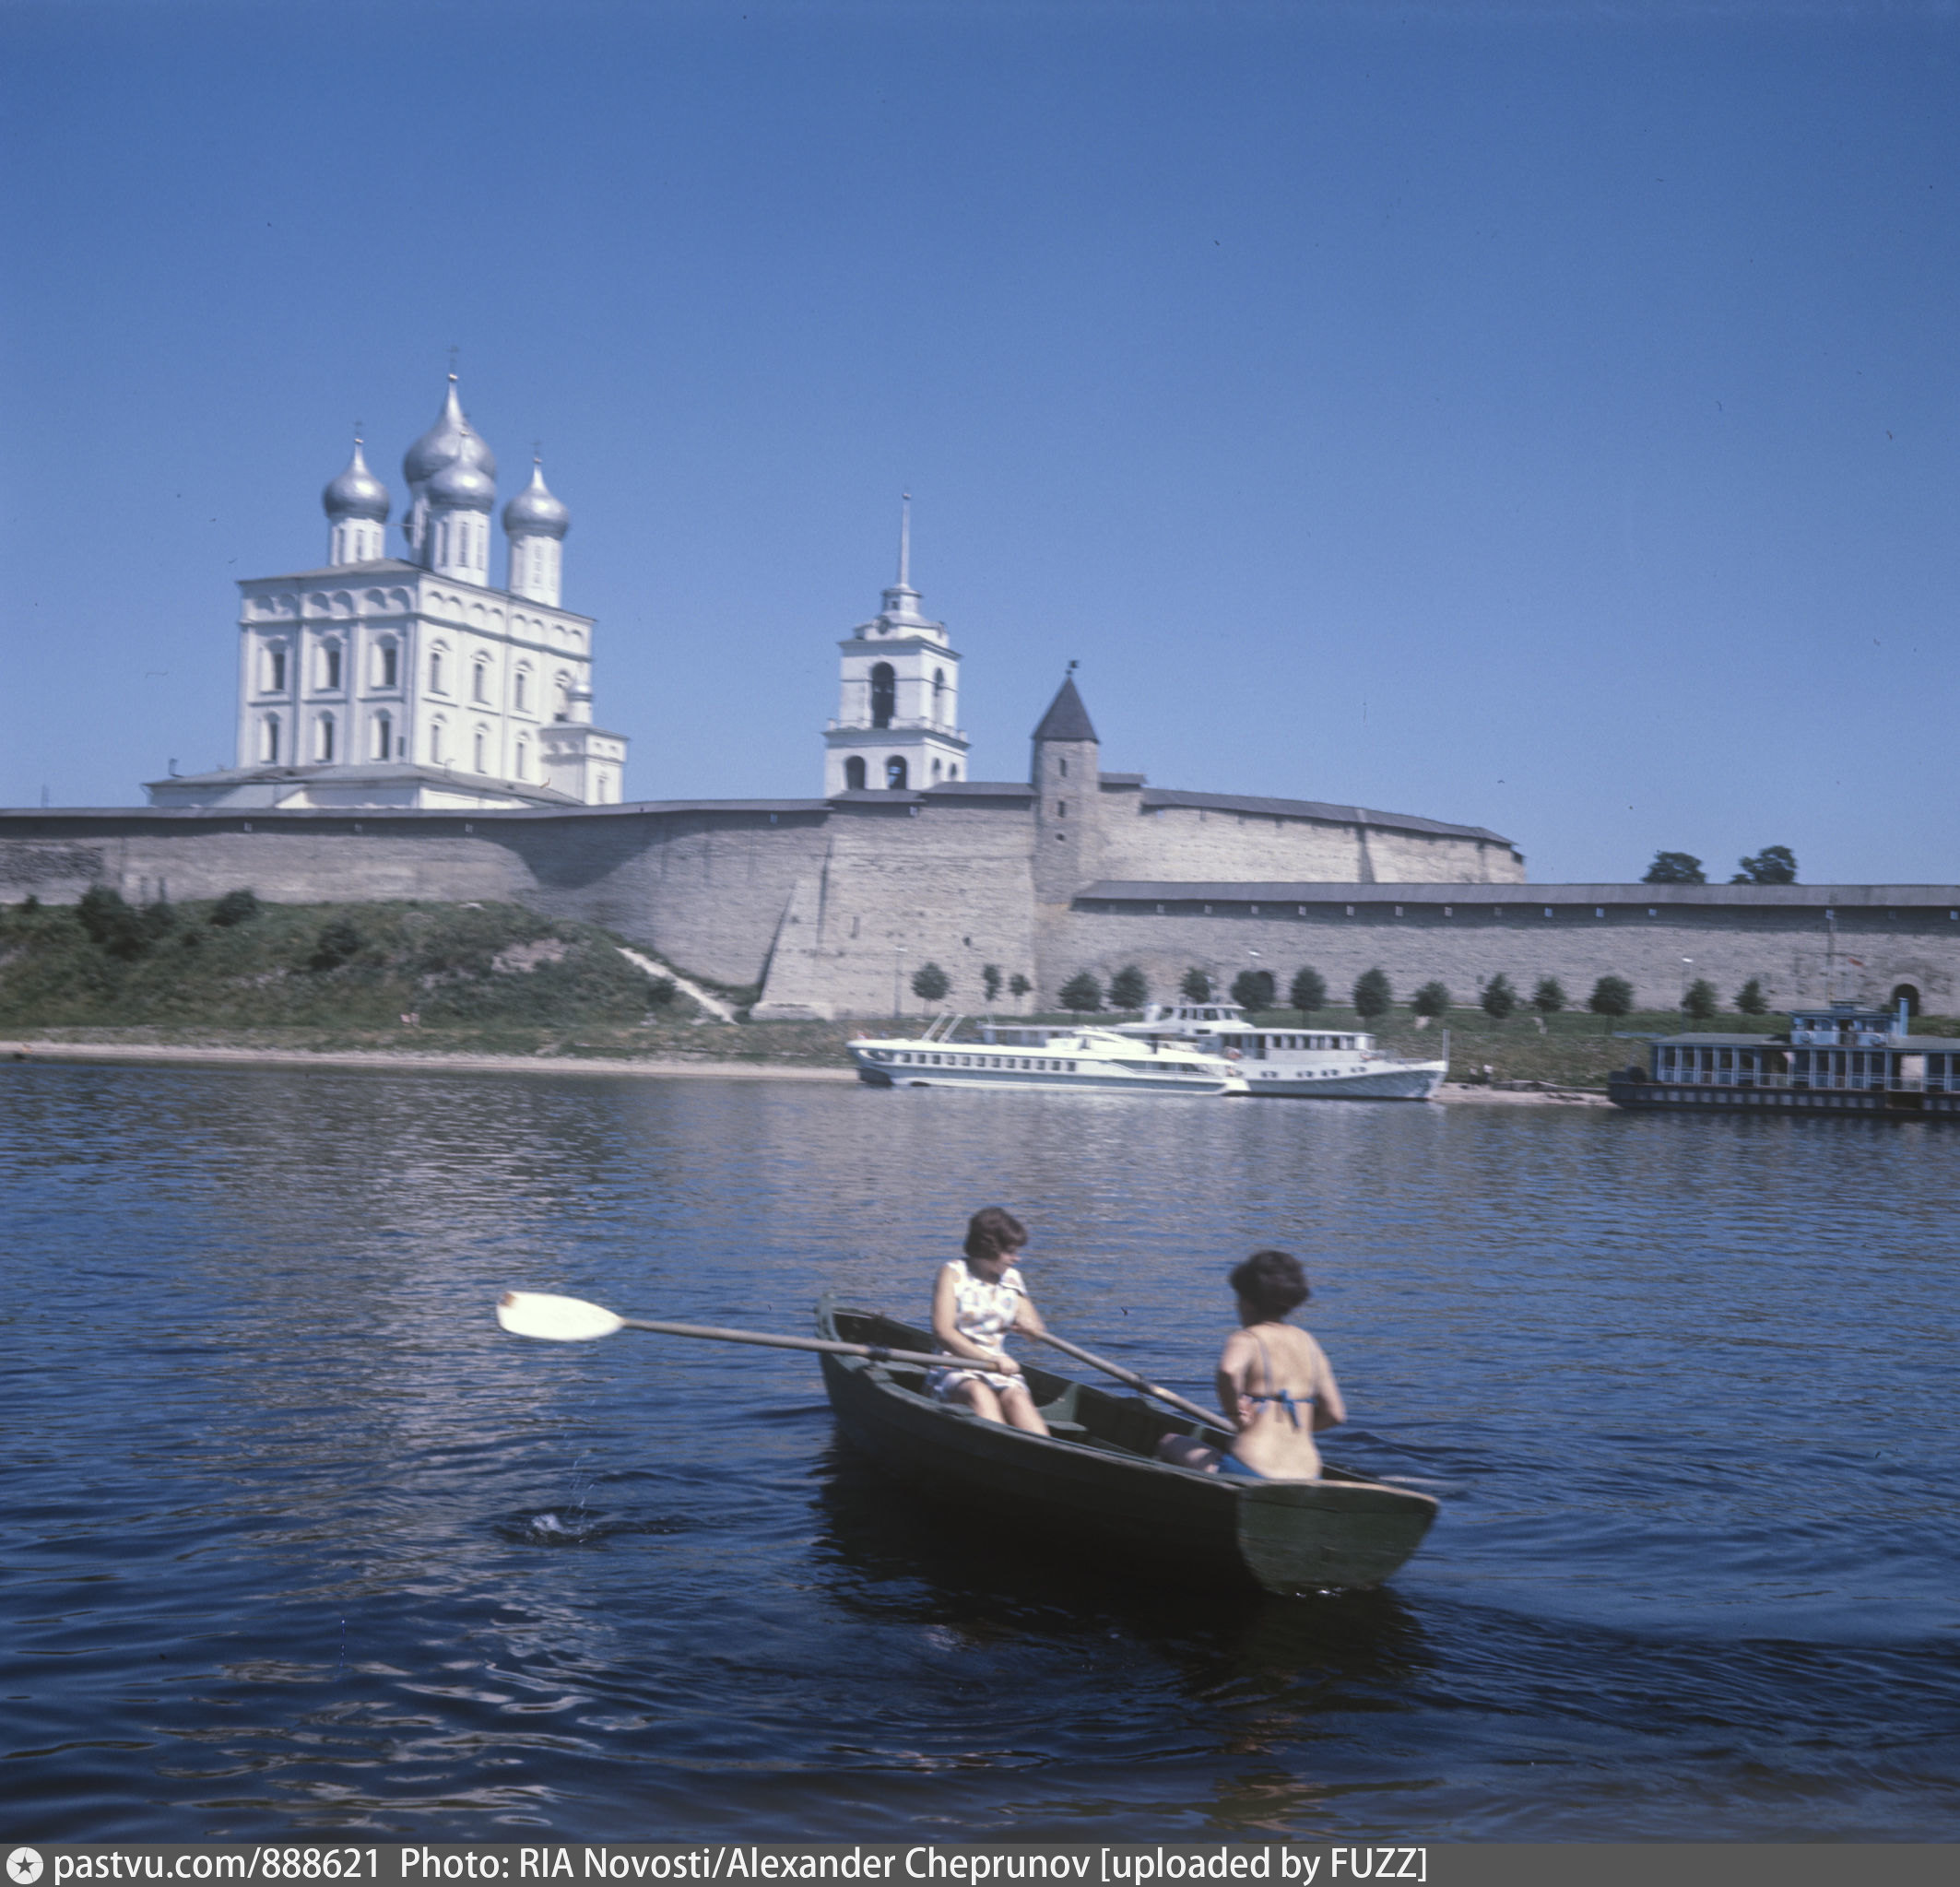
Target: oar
{"points": [[572, 1320], [1209, 1418]]}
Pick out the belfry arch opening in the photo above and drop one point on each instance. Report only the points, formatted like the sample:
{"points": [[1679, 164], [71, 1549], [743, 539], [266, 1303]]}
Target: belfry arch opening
{"points": [[895, 774], [853, 773], [885, 694]]}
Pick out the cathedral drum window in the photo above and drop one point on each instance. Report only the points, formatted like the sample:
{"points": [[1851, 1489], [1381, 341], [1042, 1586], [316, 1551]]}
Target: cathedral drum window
{"points": [[276, 670], [330, 666], [323, 739], [480, 681], [269, 740], [383, 738], [479, 755], [435, 669], [521, 690], [388, 666]]}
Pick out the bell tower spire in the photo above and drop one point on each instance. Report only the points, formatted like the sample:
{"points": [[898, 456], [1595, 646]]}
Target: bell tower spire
{"points": [[898, 708]]}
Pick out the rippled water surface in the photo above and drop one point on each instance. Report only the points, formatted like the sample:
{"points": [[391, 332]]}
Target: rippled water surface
{"points": [[299, 1542]]}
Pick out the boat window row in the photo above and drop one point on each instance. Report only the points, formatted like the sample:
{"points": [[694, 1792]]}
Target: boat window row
{"points": [[1852, 1068], [1028, 1064], [1265, 1042]]}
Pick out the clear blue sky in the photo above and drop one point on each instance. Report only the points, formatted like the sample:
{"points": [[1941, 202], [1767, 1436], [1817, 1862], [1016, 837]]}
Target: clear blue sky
{"points": [[1537, 417]]}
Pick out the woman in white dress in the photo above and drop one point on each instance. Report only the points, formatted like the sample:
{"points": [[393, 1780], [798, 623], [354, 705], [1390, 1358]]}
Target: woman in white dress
{"points": [[978, 1299]]}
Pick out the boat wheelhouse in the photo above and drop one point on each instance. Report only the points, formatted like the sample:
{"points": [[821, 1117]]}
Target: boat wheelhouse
{"points": [[1837, 1058], [1292, 1064]]}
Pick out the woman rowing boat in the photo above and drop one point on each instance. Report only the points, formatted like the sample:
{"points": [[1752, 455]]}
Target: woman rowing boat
{"points": [[1274, 1381]]}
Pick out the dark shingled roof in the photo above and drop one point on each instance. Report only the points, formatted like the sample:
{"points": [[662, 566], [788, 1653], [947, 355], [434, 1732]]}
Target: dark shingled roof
{"points": [[1067, 718]]}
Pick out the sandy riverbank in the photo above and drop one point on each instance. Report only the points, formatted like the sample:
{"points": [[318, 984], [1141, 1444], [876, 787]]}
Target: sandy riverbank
{"points": [[212, 1055]]}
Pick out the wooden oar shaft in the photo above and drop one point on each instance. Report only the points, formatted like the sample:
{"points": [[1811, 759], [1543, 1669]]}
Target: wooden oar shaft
{"points": [[1126, 1376], [825, 1346]]}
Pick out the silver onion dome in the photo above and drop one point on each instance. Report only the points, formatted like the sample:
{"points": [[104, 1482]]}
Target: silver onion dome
{"points": [[535, 512], [356, 492], [459, 486], [447, 441]]}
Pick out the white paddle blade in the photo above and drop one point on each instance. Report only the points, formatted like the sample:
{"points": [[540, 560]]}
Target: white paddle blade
{"points": [[555, 1319]]}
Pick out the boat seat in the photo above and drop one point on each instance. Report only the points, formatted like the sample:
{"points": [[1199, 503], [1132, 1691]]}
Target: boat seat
{"points": [[1058, 1426]]}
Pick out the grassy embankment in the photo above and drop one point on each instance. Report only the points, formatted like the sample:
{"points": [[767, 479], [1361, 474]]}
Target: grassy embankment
{"points": [[493, 979], [497, 979]]}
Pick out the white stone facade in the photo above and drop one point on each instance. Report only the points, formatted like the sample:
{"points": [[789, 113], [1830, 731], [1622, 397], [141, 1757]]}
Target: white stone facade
{"points": [[382, 681], [898, 699]]}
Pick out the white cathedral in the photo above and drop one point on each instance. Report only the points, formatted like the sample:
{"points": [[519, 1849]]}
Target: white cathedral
{"points": [[412, 681]]}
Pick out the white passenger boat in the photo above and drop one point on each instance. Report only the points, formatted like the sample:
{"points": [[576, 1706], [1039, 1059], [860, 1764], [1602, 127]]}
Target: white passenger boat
{"points": [[1097, 1059], [1290, 1064]]}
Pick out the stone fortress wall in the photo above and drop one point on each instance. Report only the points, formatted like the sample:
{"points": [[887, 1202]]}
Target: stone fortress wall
{"points": [[833, 904]]}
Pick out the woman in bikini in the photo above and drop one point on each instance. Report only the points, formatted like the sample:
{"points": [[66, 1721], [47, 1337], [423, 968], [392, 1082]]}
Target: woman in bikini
{"points": [[1274, 1383], [978, 1301]]}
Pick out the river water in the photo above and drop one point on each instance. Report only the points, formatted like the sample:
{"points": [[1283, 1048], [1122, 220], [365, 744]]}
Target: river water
{"points": [[301, 1543]]}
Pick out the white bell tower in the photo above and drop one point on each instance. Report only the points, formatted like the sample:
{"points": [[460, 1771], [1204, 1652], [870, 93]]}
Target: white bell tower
{"points": [[898, 702]]}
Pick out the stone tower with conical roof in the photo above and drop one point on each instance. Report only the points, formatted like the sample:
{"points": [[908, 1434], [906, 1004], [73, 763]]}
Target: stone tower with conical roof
{"points": [[1066, 773]]}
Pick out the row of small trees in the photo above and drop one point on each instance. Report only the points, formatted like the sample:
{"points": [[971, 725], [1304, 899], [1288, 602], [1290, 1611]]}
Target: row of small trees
{"points": [[1373, 996]]}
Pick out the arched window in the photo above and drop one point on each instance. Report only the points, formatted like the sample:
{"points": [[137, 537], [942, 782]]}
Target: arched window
{"points": [[276, 671], [895, 774], [383, 738], [521, 696], [479, 751], [524, 760], [953, 772], [885, 694], [269, 745], [438, 735], [853, 773], [564, 689], [935, 769], [939, 694], [479, 680], [1908, 994], [435, 671], [390, 664], [323, 739], [330, 666]]}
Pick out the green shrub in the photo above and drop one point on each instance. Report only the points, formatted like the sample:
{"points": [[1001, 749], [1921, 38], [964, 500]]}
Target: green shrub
{"points": [[1700, 1000], [661, 992], [1195, 986], [1432, 999], [112, 926], [337, 943], [1309, 992], [235, 907], [1129, 988], [1373, 995], [1549, 997], [1498, 1000], [1611, 996], [929, 982], [1252, 989], [1750, 999], [1082, 993], [1018, 985], [990, 980]]}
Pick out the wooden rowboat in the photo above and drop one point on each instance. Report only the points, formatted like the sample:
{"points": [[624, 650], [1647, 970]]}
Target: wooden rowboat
{"points": [[1096, 1483]]}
